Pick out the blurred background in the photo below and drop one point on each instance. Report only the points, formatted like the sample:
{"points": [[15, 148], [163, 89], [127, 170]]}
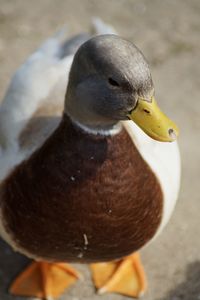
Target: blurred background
{"points": [[168, 33]]}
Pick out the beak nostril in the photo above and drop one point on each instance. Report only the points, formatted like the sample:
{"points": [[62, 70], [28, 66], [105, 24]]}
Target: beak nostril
{"points": [[172, 134], [146, 111]]}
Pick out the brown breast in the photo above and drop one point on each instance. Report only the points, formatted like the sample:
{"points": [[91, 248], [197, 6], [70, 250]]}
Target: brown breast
{"points": [[82, 198]]}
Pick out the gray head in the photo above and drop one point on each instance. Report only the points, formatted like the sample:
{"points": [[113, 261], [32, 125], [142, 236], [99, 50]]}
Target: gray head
{"points": [[107, 77]]}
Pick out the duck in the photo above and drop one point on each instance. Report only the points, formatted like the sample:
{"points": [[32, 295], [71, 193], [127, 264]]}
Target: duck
{"points": [[89, 164]]}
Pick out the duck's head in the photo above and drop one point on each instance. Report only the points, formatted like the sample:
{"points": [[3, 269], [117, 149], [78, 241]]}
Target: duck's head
{"points": [[110, 81]]}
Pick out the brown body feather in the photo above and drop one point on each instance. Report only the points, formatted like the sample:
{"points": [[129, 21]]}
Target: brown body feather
{"points": [[82, 198]]}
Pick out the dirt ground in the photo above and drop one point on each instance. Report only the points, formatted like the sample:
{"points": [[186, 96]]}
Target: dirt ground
{"points": [[168, 34]]}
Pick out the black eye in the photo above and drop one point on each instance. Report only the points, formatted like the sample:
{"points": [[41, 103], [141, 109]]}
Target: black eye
{"points": [[113, 82]]}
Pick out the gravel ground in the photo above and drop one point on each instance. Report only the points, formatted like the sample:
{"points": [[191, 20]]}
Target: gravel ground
{"points": [[168, 34]]}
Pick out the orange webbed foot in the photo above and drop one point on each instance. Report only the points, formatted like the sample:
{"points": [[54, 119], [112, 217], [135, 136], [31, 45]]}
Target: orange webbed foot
{"points": [[44, 280], [126, 276]]}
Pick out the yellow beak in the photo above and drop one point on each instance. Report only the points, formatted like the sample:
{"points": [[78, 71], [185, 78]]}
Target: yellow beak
{"points": [[153, 121]]}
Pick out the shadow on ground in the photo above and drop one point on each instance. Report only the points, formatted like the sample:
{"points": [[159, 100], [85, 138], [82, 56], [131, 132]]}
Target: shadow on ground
{"points": [[190, 288], [11, 264]]}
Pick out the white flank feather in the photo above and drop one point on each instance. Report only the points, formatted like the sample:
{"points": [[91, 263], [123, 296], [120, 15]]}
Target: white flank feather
{"points": [[31, 84], [164, 161]]}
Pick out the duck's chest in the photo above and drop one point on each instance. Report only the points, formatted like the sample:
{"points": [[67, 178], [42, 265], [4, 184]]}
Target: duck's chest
{"points": [[91, 199]]}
